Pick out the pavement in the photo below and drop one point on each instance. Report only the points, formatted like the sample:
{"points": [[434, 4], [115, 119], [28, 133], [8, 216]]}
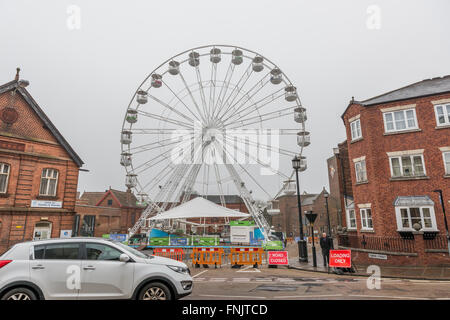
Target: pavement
{"points": [[403, 272]]}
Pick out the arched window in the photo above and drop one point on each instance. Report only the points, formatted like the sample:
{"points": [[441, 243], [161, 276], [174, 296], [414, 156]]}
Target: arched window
{"points": [[49, 182], [4, 177]]}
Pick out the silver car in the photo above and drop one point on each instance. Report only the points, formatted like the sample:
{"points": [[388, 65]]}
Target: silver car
{"points": [[89, 268]]}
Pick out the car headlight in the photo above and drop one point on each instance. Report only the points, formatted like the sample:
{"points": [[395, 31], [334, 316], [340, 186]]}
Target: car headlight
{"points": [[180, 269]]}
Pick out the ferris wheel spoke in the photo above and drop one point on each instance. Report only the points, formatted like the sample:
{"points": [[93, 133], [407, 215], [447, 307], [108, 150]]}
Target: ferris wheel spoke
{"points": [[256, 106], [244, 78], [225, 85], [202, 92], [246, 171], [163, 154], [151, 144], [219, 184], [266, 146], [165, 119], [264, 117], [145, 149], [165, 131], [257, 160], [171, 108], [158, 178], [248, 95], [181, 100], [212, 89], [192, 97]]}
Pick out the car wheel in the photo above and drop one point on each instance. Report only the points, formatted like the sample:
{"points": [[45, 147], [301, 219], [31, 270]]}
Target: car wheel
{"points": [[20, 294], [155, 291]]}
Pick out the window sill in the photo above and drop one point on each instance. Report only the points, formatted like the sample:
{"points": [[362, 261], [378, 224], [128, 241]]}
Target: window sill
{"points": [[444, 126], [352, 230], [447, 176], [400, 132], [409, 178], [356, 140], [367, 230], [362, 182]]}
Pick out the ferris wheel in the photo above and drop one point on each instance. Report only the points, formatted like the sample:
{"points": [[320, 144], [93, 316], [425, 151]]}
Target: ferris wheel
{"points": [[213, 120]]}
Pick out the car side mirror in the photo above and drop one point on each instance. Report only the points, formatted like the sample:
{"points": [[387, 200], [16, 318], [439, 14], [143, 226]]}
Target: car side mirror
{"points": [[124, 258]]}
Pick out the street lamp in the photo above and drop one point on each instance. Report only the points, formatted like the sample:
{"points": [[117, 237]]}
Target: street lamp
{"points": [[441, 198], [311, 218], [326, 195], [299, 163]]}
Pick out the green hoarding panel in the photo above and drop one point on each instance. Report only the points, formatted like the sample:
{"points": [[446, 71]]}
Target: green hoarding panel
{"points": [[242, 223]]}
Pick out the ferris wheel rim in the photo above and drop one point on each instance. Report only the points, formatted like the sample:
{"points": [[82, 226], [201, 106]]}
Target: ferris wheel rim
{"points": [[285, 80]]}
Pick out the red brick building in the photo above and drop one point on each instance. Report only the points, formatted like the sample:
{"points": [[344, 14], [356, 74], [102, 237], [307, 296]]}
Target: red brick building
{"points": [[287, 220], [38, 171], [112, 211], [399, 153]]}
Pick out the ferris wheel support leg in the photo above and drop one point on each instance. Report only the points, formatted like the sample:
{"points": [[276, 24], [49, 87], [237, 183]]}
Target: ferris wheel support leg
{"points": [[255, 212]]}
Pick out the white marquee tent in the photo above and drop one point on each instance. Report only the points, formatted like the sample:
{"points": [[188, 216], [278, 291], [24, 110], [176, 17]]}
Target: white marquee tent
{"points": [[199, 208]]}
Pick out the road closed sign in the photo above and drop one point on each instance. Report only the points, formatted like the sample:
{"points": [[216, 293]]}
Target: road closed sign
{"points": [[341, 258], [278, 257]]}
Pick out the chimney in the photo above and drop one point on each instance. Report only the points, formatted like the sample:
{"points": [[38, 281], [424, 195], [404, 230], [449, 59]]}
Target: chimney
{"points": [[16, 78]]}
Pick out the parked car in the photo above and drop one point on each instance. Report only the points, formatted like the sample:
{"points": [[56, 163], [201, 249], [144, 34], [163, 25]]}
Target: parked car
{"points": [[89, 268]]}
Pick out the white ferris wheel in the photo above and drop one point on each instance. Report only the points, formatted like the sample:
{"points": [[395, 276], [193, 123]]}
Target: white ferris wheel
{"points": [[213, 120]]}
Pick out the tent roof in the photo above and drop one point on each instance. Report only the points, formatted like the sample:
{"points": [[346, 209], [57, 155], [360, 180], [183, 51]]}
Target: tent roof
{"points": [[199, 208]]}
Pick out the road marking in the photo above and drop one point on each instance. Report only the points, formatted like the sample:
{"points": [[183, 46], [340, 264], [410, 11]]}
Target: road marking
{"points": [[199, 273], [286, 280], [309, 296], [224, 296], [218, 279], [246, 269], [390, 297]]}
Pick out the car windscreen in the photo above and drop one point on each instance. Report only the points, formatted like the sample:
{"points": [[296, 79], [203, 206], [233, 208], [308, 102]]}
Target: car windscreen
{"points": [[133, 251]]}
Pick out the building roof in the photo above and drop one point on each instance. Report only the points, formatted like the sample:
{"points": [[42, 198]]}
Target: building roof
{"points": [[126, 199], [229, 198], [308, 199], [123, 198], [426, 87], [48, 124], [91, 198]]}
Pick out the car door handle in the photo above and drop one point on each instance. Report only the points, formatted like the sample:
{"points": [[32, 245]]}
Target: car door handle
{"points": [[38, 267], [89, 268]]}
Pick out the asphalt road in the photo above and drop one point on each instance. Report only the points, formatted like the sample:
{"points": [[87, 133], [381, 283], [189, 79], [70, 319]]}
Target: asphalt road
{"points": [[227, 283]]}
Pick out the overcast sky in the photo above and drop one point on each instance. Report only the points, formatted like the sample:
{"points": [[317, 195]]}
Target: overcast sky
{"points": [[331, 50]]}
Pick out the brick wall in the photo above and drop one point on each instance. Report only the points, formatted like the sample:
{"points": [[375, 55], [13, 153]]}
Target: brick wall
{"points": [[380, 190], [29, 147]]}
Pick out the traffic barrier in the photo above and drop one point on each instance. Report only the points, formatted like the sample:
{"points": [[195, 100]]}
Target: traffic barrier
{"points": [[207, 256], [246, 256], [172, 253]]}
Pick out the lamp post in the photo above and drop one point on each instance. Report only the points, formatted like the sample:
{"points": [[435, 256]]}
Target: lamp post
{"points": [[311, 218], [326, 195], [441, 198], [302, 249]]}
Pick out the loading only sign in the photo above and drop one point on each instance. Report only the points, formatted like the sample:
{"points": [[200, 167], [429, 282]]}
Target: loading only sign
{"points": [[341, 258], [278, 258]]}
